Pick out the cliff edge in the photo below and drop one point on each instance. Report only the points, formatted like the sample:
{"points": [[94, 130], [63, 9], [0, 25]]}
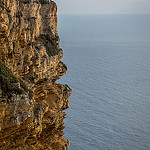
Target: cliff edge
{"points": [[31, 102]]}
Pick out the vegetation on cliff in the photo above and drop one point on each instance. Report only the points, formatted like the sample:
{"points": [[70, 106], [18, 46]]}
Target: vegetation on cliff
{"points": [[9, 83], [50, 45]]}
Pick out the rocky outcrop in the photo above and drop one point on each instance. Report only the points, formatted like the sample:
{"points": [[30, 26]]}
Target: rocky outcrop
{"points": [[31, 102]]}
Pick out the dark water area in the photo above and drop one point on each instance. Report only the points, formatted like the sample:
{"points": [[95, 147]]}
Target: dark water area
{"points": [[108, 60]]}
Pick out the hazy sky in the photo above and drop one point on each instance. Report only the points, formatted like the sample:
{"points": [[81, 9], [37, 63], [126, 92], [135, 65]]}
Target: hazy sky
{"points": [[103, 6]]}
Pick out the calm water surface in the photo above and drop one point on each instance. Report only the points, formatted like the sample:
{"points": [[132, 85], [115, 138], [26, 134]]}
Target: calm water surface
{"points": [[108, 59]]}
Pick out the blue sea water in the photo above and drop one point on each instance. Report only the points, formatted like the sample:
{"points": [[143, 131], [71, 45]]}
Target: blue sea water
{"points": [[108, 60]]}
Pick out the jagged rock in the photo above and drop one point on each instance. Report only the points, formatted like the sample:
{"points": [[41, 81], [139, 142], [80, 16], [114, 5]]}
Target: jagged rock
{"points": [[31, 103]]}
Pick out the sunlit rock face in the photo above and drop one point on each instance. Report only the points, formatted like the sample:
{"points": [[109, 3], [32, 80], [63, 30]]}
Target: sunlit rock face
{"points": [[31, 103]]}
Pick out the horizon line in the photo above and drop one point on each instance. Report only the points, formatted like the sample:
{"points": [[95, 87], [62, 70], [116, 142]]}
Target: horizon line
{"points": [[104, 14]]}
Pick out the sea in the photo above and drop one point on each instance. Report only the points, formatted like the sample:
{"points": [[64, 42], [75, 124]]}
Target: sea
{"points": [[108, 60]]}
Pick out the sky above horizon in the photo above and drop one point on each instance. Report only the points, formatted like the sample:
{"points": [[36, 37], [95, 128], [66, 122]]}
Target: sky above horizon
{"points": [[103, 6]]}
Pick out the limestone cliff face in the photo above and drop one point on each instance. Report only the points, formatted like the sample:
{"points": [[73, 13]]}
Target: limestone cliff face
{"points": [[31, 103]]}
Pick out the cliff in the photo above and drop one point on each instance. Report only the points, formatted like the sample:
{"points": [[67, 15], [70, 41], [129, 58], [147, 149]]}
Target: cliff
{"points": [[31, 102]]}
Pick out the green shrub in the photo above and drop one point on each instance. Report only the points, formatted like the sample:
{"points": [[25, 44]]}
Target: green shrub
{"points": [[5, 86], [49, 44], [44, 1], [7, 73], [8, 80]]}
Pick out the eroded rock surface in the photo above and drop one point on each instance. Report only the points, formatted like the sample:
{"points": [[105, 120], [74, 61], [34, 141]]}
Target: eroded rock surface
{"points": [[31, 102]]}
